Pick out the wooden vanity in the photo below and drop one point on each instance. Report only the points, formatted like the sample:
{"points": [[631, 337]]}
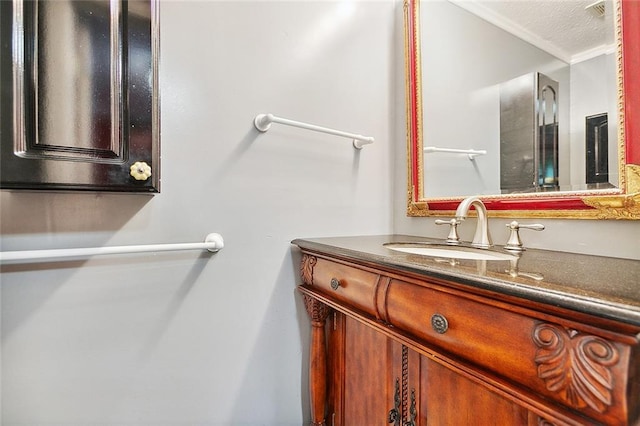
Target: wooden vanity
{"points": [[401, 339]]}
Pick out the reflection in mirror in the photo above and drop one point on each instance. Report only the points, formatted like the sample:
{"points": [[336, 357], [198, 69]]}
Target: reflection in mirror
{"points": [[529, 137], [486, 88], [502, 105]]}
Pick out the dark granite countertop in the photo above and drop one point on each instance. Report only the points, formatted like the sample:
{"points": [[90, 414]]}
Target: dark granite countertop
{"points": [[603, 286]]}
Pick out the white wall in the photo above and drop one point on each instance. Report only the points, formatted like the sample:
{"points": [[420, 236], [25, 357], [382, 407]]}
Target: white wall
{"points": [[189, 338]]}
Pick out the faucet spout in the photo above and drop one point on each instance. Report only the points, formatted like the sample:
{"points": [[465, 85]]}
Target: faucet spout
{"points": [[481, 237]]}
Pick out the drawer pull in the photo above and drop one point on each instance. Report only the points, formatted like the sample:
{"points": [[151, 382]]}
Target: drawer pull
{"points": [[439, 323], [335, 283]]}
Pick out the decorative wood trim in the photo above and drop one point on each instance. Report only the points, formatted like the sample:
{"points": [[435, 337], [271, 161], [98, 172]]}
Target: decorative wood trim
{"points": [[399, 413], [318, 312], [576, 366], [380, 298], [405, 382], [336, 377], [306, 268]]}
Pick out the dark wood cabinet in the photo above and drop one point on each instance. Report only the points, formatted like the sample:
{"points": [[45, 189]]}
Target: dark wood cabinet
{"points": [[409, 350], [79, 95]]}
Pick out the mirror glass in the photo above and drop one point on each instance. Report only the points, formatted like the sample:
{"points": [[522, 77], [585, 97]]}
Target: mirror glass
{"points": [[531, 104], [519, 85]]}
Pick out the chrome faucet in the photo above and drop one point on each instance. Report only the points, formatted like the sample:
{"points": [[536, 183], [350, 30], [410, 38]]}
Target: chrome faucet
{"points": [[481, 238]]}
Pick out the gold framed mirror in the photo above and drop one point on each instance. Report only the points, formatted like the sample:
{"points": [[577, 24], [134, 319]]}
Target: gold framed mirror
{"points": [[554, 195]]}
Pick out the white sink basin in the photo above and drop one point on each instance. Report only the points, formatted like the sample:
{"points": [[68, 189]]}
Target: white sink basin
{"points": [[449, 252]]}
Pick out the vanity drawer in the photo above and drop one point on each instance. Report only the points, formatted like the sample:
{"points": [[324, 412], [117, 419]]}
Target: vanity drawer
{"points": [[347, 284], [543, 353], [462, 326]]}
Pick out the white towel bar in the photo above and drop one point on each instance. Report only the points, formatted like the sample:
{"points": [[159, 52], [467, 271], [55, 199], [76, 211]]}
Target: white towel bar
{"points": [[471, 153], [213, 242], [263, 123]]}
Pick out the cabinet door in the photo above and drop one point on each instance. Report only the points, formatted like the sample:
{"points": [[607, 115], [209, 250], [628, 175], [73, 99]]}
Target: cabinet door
{"points": [[79, 95], [448, 398], [374, 380], [364, 377]]}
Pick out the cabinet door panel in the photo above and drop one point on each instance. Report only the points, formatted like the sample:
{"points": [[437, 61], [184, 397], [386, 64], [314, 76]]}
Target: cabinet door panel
{"points": [[369, 383], [447, 398]]}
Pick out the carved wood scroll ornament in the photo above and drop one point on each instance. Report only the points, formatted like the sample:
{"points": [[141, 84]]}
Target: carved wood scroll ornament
{"points": [[317, 311], [306, 268], [576, 366]]}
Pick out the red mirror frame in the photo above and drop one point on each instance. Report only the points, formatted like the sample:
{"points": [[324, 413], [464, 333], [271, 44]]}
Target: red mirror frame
{"points": [[621, 204]]}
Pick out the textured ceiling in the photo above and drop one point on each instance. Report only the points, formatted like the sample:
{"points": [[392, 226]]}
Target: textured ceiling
{"points": [[565, 28]]}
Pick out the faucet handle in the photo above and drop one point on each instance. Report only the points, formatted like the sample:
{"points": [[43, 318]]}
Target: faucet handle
{"points": [[453, 237], [515, 243]]}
